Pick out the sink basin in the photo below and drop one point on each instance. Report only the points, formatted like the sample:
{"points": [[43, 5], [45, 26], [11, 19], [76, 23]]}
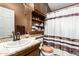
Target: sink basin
{"points": [[17, 43]]}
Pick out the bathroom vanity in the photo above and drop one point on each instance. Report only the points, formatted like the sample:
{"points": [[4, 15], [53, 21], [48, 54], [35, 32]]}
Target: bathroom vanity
{"points": [[24, 47], [30, 51]]}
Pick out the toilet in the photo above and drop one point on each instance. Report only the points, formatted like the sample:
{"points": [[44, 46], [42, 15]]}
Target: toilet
{"points": [[46, 50]]}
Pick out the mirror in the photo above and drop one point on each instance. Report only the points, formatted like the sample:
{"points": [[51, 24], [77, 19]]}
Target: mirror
{"points": [[6, 22]]}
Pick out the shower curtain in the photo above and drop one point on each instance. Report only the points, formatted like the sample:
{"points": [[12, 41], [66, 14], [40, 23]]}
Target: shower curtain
{"points": [[62, 30], [63, 26]]}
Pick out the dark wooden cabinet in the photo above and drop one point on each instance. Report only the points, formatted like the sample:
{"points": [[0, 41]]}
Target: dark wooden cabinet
{"points": [[41, 7], [37, 6], [31, 51], [34, 53], [37, 22]]}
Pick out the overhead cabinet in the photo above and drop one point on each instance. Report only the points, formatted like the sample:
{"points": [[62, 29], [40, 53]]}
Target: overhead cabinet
{"points": [[42, 8]]}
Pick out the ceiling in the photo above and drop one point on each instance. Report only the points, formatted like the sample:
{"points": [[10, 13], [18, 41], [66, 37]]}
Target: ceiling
{"points": [[57, 6]]}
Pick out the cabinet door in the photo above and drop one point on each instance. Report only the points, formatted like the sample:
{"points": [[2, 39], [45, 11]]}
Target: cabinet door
{"points": [[37, 6], [34, 53], [41, 7]]}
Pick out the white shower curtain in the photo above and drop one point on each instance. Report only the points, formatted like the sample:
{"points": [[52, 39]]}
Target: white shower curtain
{"points": [[65, 26]]}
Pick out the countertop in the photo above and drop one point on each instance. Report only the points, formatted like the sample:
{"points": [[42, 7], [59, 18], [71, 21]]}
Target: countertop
{"points": [[6, 51]]}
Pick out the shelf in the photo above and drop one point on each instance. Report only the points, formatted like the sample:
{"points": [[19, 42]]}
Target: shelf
{"points": [[40, 13], [40, 26], [38, 20], [37, 29], [37, 32], [34, 29], [37, 13]]}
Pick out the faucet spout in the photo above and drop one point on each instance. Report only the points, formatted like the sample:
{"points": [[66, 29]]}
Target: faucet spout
{"points": [[18, 36], [14, 36]]}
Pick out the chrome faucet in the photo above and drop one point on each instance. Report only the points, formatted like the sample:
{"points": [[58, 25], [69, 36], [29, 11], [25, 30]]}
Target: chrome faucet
{"points": [[16, 36]]}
